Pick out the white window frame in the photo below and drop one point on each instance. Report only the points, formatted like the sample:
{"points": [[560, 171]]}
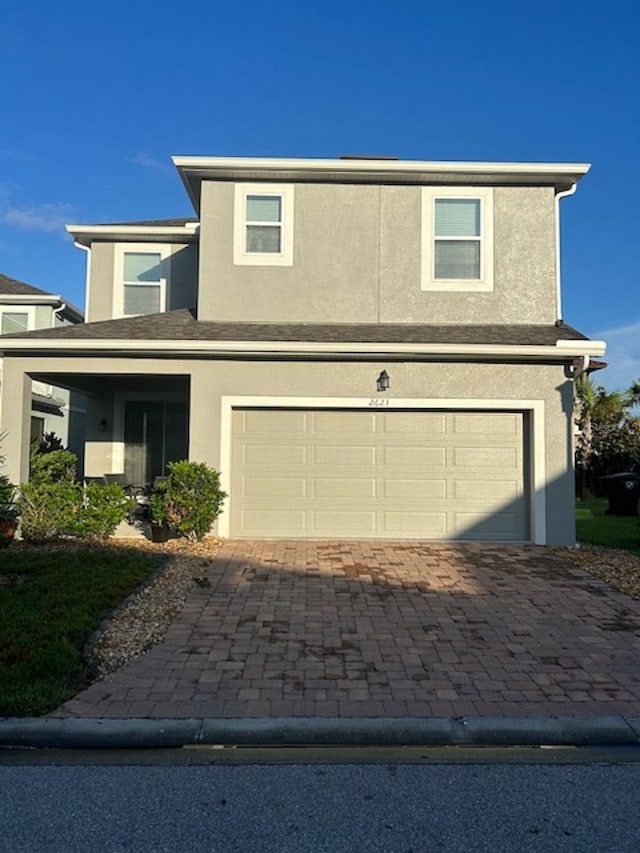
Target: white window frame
{"points": [[29, 310], [283, 258], [483, 284], [119, 284]]}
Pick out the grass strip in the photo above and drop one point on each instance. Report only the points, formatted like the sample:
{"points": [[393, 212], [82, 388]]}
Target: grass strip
{"points": [[50, 603], [595, 527]]}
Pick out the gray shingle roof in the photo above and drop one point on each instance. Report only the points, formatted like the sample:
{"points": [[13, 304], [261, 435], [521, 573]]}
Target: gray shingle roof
{"points": [[182, 325], [19, 288]]}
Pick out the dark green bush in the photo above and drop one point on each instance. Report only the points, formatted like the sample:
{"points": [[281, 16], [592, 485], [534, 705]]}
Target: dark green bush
{"points": [[8, 506], [48, 509], [102, 510], [190, 500], [57, 466]]}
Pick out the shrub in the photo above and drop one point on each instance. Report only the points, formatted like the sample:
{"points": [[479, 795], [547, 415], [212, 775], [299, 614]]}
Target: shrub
{"points": [[8, 506], [55, 466], [102, 510], [190, 499], [48, 509]]}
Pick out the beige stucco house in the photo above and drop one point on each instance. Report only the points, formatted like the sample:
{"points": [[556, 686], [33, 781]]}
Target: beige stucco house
{"points": [[24, 307], [364, 348]]}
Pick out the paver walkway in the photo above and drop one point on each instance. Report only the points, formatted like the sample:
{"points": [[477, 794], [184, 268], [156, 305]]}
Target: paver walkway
{"points": [[350, 629]]}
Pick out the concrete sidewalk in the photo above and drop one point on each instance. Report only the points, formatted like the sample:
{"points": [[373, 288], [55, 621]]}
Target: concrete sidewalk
{"points": [[385, 630]]}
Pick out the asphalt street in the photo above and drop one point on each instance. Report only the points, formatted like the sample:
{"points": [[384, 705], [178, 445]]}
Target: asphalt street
{"points": [[368, 807]]}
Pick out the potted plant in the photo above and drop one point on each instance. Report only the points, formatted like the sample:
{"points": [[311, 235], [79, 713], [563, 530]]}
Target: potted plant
{"points": [[8, 512]]}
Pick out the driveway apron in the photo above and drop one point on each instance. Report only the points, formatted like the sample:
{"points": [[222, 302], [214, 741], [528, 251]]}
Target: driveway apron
{"points": [[383, 629]]}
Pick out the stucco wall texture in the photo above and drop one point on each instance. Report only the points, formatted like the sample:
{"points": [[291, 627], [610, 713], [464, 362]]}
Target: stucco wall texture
{"points": [[211, 380], [357, 258]]}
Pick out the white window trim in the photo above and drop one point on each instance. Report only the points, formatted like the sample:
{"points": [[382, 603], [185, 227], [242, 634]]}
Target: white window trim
{"points": [[29, 310], [428, 280], [118, 284], [283, 258]]}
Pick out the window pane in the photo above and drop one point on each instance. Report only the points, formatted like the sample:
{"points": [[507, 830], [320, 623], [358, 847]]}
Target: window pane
{"points": [[141, 299], [457, 217], [263, 238], [264, 208], [142, 266], [14, 322], [457, 259]]}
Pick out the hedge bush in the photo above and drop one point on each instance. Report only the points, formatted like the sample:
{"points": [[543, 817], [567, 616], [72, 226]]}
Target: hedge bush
{"points": [[190, 499]]}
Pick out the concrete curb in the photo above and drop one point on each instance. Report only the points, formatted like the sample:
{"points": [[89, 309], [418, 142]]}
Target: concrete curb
{"points": [[85, 733]]}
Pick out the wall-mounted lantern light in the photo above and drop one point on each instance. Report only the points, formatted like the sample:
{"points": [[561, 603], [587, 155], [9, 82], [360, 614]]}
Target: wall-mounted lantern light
{"points": [[103, 426], [383, 381]]}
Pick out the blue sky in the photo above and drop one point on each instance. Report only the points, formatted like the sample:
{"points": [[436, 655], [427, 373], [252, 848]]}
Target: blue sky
{"points": [[95, 98]]}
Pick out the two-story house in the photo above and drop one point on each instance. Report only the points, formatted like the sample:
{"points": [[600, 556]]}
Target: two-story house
{"points": [[363, 347], [24, 307]]}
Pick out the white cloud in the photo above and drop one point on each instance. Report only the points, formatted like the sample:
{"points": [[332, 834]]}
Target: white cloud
{"points": [[623, 357], [50, 217], [148, 161]]}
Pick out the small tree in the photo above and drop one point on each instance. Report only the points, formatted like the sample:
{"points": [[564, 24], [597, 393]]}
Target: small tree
{"points": [[609, 435], [190, 500]]}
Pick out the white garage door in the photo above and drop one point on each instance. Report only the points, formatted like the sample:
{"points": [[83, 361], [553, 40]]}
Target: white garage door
{"points": [[367, 474]]}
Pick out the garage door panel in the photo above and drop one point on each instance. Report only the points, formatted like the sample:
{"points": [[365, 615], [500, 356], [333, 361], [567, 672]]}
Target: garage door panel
{"points": [[496, 458], [407, 474], [339, 488], [504, 526], [493, 424], [274, 522], [412, 456], [428, 525], [406, 489], [344, 455], [406, 423], [491, 493], [354, 523], [254, 421], [268, 455], [274, 487], [343, 423]]}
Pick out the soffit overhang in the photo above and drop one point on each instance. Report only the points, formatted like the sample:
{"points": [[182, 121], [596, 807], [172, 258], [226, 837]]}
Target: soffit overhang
{"points": [[193, 170], [85, 235]]}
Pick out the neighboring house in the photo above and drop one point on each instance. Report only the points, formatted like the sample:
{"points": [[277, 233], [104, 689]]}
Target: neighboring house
{"points": [[23, 308], [363, 347]]}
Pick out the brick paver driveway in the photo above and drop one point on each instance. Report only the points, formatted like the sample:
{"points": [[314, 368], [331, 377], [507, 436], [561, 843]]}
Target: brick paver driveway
{"points": [[385, 629]]}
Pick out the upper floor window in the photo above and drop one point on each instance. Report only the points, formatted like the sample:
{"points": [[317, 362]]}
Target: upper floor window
{"points": [[263, 225], [14, 322], [141, 280], [457, 238]]}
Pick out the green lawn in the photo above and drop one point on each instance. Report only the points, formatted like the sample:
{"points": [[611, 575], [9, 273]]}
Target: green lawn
{"points": [[50, 603], [613, 531]]}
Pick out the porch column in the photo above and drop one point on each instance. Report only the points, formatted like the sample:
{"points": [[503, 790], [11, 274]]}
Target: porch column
{"points": [[204, 420], [15, 418]]}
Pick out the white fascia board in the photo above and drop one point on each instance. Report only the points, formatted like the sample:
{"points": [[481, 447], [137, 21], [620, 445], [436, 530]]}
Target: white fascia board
{"points": [[377, 166], [31, 299], [55, 300], [163, 233], [562, 349]]}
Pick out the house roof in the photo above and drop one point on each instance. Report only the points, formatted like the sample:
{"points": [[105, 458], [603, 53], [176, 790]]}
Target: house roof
{"points": [[179, 333], [14, 287], [182, 325], [16, 292]]}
